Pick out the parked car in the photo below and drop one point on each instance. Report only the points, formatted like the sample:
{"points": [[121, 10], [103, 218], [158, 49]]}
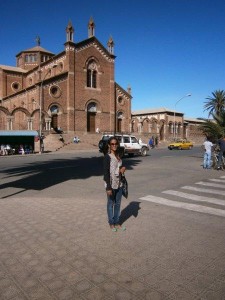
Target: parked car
{"points": [[180, 145], [128, 145]]}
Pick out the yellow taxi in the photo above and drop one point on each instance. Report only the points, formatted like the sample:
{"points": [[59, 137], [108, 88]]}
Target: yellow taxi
{"points": [[180, 145]]}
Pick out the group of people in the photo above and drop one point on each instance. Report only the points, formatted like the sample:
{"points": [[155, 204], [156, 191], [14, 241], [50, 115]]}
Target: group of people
{"points": [[5, 149], [208, 146]]}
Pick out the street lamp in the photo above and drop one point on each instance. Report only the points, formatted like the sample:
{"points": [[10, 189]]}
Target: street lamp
{"points": [[174, 127], [40, 105]]}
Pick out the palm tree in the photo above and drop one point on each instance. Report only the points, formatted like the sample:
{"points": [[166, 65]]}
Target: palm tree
{"points": [[214, 128], [215, 104]]}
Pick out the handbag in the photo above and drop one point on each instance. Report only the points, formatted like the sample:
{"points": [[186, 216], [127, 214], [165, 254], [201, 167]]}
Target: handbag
{"points": [[124, 186]]}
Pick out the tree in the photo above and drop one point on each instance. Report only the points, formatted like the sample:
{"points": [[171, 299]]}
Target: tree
{"points": [[216, 104], [214, 128]]}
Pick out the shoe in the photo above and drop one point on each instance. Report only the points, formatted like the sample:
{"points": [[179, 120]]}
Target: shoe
{"points": [[113, 228], [121, 227]]}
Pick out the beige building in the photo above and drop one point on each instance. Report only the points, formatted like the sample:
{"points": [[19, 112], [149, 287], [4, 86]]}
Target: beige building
{"points": [[166, 124], [74, 90]]}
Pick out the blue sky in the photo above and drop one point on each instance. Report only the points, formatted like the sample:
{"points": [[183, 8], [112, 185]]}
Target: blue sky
{"points": [[165, 48]]}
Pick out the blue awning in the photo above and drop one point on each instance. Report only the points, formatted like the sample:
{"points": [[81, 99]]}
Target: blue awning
{"points": [[18, 133]]}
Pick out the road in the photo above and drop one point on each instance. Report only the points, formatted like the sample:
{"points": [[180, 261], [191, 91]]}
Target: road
{"points": [[56, 244], [66, 174], [158, 178]]}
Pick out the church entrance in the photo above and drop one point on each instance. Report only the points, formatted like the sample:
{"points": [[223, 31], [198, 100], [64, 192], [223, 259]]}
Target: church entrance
{"points": [[119, 121], [119, 125], [91, 122], [54, 121], [91, 115]]}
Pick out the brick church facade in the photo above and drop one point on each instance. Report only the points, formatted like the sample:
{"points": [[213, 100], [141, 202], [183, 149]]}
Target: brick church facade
{"points": [[74, 90]]}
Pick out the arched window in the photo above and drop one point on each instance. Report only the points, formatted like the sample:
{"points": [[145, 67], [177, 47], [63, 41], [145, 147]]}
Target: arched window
{"points": [[92, 74], [119, 115], [91, 107], [54, 109]]}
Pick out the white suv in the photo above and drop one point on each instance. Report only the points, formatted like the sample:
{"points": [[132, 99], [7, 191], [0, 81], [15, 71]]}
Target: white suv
{"points": [[128, 145]]}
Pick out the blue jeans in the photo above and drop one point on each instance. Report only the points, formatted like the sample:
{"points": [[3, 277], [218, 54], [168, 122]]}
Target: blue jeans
{"points": [[207, 160], [113, 206]]}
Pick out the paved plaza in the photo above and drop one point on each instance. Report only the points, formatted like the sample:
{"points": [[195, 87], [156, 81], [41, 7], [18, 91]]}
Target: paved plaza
{"points": [[62, 248]]}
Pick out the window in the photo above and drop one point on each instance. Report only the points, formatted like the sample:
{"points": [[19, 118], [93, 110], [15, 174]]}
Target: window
{"points": [[92, 74], [134, 140], [15, 86], [55, 91], [126, 139], [120, 100], [54, 109], [91, 107], [30, 58], [119, 115]]}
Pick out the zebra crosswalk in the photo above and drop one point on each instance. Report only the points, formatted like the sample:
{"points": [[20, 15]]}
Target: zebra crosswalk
{"points": [[202, 188]]}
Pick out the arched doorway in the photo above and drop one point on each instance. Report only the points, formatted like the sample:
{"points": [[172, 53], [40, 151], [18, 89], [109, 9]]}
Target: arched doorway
{"points": [[145, 127], [161, 131], [119, 121], [54, 116], [91, 115]]}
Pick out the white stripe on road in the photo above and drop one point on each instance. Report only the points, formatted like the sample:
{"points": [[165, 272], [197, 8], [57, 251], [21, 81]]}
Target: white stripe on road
{"points": [[217, 180], [195, 197], [192, 207], [210, 191], [211, 184]]}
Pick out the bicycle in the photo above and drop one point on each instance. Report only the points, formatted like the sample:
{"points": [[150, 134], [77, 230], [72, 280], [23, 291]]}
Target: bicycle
{"points": [[215, 158]]}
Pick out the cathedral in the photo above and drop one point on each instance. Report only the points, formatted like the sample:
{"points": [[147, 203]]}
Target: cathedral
{"points": [[74, 90]]}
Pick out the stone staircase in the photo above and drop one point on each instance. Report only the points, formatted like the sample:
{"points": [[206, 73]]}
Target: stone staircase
{"points": [[88, 141]]}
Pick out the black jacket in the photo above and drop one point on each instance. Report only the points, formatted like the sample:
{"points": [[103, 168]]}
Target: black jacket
{"points": [[106, 172]]}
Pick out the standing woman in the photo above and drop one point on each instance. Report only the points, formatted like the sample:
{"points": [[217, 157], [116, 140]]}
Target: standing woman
{"points": [[112, 172]]}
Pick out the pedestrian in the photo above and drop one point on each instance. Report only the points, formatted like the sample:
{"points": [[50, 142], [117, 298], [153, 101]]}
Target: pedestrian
{"points": [[3, 150], [76, 140], [207, 146], [113, 169], [221, 144], [151, 143]]}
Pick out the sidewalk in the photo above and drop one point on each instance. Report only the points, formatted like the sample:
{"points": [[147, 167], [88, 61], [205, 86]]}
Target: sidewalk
{"points": [[55, 248]]}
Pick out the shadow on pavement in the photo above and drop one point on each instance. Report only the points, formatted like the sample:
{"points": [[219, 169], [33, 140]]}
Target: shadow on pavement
{"points": [[130, 210], [39, 175]]}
